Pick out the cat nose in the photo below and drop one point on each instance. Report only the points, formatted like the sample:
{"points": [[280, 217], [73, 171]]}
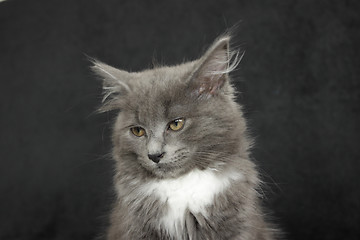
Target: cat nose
{"points": [[156, 157]]}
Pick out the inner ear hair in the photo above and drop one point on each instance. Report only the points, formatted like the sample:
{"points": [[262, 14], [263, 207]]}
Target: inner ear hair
{"points": [[215, 66], [114, 84]]}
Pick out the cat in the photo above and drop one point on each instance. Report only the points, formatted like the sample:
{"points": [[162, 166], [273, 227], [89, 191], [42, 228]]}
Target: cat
{"points": [[181, 150]]}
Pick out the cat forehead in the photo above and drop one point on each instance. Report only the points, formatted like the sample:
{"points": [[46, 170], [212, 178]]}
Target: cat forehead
{"points": [[151, 114], [160, 93]]}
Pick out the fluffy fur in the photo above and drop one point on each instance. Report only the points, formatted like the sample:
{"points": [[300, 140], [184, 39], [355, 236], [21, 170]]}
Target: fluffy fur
{"points": [[204, 186]]}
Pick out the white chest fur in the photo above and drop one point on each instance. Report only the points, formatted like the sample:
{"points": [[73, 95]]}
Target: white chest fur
{"points": [[193, 191]]}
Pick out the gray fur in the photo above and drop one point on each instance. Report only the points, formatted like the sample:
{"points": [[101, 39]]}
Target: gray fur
{"points": [[214, 137]]}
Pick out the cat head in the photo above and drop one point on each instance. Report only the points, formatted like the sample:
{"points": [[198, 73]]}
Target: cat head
{"points": [[175, 119]]}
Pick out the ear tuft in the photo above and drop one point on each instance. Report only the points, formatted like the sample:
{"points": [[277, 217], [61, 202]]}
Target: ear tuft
{"points": [[215, 66], [114, 83]]}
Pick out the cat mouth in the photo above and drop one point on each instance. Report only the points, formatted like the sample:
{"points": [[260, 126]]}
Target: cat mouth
{"points": [[171, 167], [173, 163]]}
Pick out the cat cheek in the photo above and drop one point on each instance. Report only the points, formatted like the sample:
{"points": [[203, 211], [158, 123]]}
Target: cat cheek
{"points": [[133, 142]]}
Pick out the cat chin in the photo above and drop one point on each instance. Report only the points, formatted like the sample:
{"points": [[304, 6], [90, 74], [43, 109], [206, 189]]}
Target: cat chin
{"points": [[167, 171]]}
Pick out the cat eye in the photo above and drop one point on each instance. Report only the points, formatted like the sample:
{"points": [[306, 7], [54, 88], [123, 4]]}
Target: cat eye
{"points": [[177, 124], [138, 131]]}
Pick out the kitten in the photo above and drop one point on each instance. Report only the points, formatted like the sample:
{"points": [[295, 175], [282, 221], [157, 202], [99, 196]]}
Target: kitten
{"points": [[182, 152]]}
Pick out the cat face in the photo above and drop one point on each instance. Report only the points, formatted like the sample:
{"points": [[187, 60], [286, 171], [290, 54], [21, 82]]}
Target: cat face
{"points": [[175, 119], [160, 145]]}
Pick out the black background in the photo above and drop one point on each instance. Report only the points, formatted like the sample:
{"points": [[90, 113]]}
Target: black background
{"points": [[299, 81]]}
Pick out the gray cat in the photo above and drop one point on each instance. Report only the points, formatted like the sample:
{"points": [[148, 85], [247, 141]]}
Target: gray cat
{"points": [[182, 152]]}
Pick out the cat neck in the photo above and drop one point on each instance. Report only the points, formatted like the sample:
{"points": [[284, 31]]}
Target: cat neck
{"points": [[192, 192]]}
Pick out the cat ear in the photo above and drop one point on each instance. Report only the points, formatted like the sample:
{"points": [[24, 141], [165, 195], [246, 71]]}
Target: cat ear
{"points": [[212, 72], [115, 83]]}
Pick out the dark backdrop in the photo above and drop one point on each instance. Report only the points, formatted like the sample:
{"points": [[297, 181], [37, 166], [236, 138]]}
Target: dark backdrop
{"points": [[299, 81]]}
